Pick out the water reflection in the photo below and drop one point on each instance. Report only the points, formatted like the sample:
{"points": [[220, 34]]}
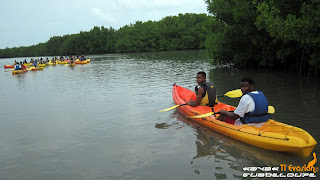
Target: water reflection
{"points": [[20, 80]]}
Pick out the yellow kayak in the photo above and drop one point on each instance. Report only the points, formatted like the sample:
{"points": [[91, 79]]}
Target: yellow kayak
{"points": [[50, 63], [63, 62], [28, 64], [19, 71], [273, 135], [88, 60], [37, 68], [41, 65]]}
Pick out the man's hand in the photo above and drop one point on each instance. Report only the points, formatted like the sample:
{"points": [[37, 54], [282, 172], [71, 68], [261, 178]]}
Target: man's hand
{"points": [[223, 112], [190, 102]]}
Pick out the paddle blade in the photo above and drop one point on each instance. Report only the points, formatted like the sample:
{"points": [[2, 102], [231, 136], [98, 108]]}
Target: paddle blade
{"points": [[173, 107], [234, 94], [30, 68], [202, 116], [271, 110]]}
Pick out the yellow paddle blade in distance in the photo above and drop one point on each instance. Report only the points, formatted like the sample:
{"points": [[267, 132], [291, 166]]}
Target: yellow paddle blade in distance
{"points": [[201, 116], [30, 68], [169, 108], [234, 93], [271, 110]]}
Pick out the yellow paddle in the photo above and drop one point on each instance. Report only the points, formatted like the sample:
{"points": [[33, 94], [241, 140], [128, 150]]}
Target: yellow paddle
{"points": [[271, 110], [232, 94], [173, 107], [30, 68]]}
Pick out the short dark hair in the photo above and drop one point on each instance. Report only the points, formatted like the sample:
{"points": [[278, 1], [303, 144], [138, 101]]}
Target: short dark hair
{"points": [[202, 73], [248, 79]]}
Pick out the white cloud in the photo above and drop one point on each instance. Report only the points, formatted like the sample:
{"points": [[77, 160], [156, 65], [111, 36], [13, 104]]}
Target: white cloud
{"points": [[157, 3], [104, 16]]}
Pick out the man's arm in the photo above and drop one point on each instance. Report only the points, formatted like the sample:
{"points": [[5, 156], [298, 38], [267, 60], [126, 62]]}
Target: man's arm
{"points": [[198, 100], [231, 115], [241, 109]]}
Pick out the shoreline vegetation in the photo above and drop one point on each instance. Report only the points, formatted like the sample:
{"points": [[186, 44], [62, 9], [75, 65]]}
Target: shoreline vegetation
{"points": [[268, 34]]}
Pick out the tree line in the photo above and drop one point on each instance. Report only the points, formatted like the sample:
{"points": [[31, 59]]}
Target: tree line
{"points": [[185, 31], [247, 33]]}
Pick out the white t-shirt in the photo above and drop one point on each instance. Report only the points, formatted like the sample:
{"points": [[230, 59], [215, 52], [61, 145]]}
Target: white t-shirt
{"points": [[246, 105]]}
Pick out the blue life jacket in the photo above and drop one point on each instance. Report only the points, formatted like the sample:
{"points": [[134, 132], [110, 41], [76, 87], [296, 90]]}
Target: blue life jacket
{"points": [[260, 113], [17, 67]]}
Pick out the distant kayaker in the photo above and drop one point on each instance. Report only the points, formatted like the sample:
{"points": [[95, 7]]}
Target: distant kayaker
{"points": [[252, 108], [83, 58], [23, 67], [17, 66], [35, 63], [206, 93]]}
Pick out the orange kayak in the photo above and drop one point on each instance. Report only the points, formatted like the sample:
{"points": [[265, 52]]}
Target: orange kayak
{"points": [[8, 66], [80, 62], [273, 135]]}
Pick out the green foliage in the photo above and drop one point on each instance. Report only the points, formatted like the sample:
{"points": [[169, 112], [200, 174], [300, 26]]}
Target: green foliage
{"points": [[298, 30], [265, 33], [234, 38], [185, 31]]}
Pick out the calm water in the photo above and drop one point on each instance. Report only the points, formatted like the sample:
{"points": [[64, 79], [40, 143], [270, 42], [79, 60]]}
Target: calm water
{"points": [[100, 120]]}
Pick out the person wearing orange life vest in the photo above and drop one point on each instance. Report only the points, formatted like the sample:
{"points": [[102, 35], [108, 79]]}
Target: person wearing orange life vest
{"points": [[206, 93]]}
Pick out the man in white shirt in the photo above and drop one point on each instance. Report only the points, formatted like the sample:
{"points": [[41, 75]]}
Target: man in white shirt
{"points": [[252, 109]]}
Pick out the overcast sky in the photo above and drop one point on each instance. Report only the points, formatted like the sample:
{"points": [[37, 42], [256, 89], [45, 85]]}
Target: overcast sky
{"points": [[29, 22]]}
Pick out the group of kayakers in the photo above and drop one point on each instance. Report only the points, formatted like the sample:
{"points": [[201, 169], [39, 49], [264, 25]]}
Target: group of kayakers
{"points": [[251, 110], [37, 61]]}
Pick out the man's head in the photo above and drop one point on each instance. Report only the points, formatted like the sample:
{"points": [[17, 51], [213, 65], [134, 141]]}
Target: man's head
{"points": [[201, 77], [247, 85]]}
